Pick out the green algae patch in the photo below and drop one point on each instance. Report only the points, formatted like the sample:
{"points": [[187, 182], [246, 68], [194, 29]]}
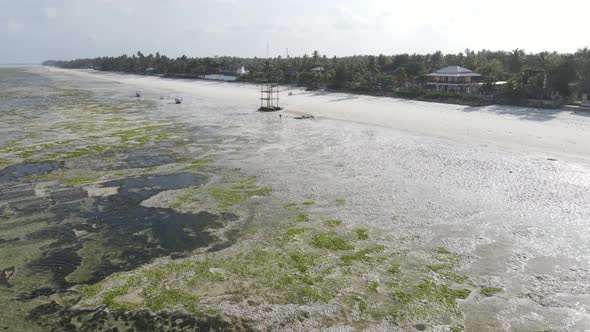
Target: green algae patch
{"points": [[444, 255], [186, 198], [227, 197], [93, 256], [115, 119], [291, 206], [237, 192], [426, 299], [443, 250], [374, 286], [315, 295], [362, 305], [90, 290], [362, 234], [5, 163], [446, 266], [303, 217], [302, 261], [202, 269], [457, 328], [230, 197], [364, 255], [490, 291], [86, 151], [340, 201], [394, 269], [82, 179], [193, 199], [292, 233], [51, 93], [110, 295], [331, 241], [157, 300], [198, 165], [141, 135], [440, 267], [308, 203], [100, 134], [29, 151], [247, 183], [333, 223], [101, 141]]}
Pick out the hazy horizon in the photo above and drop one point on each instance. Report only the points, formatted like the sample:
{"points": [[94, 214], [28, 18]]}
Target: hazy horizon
{"points": [[38, 30]]}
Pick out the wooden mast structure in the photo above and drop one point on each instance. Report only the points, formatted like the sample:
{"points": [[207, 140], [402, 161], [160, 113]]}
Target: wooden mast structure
{"points": [[269, 96]]}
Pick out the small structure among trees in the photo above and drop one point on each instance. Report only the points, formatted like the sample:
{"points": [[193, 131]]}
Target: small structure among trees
{"points": [[455, 79]]}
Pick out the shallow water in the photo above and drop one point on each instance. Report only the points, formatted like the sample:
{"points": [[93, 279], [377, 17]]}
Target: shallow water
{"points": [[518, 220], [22, 170], [121, 226], [58, 234]]}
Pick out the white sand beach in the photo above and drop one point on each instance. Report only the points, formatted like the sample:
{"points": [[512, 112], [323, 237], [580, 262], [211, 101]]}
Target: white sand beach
{"points": [[552, 133]]}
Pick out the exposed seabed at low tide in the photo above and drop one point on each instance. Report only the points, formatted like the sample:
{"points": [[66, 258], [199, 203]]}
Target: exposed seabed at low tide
{"points": [[135, 213]]}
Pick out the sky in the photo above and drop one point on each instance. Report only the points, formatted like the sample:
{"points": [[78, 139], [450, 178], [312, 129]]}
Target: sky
{"points": [[36, 30]]}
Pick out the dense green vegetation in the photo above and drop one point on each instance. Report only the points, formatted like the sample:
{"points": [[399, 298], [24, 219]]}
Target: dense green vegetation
{"points": [[530, 76]]}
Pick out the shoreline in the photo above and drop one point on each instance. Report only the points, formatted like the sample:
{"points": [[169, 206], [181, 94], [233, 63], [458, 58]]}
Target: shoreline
{"points": [[555, 133]]}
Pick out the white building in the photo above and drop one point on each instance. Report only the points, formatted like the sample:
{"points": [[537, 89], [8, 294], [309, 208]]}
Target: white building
{"points": [[242, 71], [455, 79]]}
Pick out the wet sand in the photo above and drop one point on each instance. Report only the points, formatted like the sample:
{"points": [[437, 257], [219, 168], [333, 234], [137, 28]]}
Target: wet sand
{"points": [[505, 188], [543, 132]]}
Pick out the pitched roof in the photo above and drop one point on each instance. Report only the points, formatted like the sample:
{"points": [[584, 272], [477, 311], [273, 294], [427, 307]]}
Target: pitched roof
{"points": [[454, 71]]}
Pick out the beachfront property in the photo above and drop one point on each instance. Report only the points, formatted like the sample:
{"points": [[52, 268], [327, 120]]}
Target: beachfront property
{"points": [[455, 79]]}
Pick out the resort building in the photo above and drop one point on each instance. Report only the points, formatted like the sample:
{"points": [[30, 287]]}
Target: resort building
{"points": [[455, 79]]}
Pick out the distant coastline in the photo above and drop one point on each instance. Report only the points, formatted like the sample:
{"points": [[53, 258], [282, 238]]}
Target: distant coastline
{"points": [[475, 78]]}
